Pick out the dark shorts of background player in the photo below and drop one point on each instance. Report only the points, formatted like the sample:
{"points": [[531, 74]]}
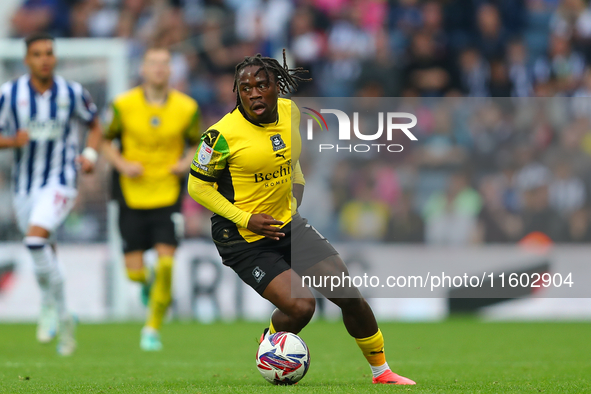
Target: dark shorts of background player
{"points": [[141, 229], [258, 263]]}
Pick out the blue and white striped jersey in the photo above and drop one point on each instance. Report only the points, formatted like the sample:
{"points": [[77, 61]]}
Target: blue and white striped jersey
{"points": [[52, 120]]}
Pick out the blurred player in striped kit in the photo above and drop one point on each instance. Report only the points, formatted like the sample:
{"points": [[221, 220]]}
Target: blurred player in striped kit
{"points": [[40, 117]]}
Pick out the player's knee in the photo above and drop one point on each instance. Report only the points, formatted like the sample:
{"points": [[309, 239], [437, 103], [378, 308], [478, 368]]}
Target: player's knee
{"points": [[165, 250], [37, 231], [303, 310]]}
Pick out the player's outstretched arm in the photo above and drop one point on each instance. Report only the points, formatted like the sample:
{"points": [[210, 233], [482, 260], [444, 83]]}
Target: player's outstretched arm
{"points": [[20, 139]]}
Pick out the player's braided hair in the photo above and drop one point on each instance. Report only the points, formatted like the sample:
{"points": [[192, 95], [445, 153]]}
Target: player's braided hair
{"points": [[287, 79]]}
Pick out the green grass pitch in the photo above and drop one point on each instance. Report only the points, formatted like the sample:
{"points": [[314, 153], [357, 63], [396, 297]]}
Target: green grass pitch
{"points": [[456, 356]]}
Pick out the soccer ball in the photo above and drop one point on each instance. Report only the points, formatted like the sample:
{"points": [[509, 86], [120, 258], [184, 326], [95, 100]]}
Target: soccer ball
{"points": [[283, 358]]}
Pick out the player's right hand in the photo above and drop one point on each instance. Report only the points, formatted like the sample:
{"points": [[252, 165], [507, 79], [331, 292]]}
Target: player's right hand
{"points": [[21, 138], [131, 169], [263, 224]]}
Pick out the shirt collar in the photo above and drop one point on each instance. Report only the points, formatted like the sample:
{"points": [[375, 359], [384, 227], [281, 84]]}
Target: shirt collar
{"points": [[49, 92]]}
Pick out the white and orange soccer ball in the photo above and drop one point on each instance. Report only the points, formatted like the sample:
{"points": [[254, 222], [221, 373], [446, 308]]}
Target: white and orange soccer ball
{"points": [[283, 358]]}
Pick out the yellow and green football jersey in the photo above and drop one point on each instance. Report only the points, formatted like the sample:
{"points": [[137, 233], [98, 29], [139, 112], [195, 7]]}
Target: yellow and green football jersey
{"points": [[155, 136], [252, 164]]}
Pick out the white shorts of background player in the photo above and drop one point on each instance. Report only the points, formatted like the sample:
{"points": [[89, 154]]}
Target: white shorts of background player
{"points": [[46, 207]]}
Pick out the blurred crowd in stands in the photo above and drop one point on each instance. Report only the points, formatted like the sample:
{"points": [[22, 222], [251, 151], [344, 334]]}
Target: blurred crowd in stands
{"points": [[488, 170], [492, 178]]}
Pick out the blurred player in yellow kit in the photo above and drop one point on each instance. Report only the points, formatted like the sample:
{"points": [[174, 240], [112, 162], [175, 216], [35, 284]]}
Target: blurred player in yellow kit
{"points": [[153, 125]]}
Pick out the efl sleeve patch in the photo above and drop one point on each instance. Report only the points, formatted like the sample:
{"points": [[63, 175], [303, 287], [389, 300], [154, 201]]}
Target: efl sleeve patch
{"points": [[204, 154], [211, 156]]}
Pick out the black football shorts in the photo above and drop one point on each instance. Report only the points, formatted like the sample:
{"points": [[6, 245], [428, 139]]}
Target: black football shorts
{"points": [[258, 263], [141, 229]]}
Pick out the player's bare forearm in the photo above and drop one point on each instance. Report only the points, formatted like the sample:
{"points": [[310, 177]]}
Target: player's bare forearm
{"points": [[111, 153], [20, 139], [7, 142], [87, 160], [298, 193], [95, 135], [113, 156]]}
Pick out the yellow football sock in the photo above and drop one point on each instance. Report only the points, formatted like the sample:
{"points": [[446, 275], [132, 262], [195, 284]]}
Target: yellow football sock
{"points": [[160, 295], [271, 328], [140, 275], [373, 349]]}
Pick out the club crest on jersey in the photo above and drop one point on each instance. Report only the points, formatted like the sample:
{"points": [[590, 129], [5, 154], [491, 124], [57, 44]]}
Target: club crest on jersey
{"points": [[155, 121], [277, 142], [204, 155], [210, 137]]}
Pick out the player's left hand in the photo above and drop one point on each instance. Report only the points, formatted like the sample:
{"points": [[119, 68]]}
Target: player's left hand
{"points": [[86, 165], [263, 224]]}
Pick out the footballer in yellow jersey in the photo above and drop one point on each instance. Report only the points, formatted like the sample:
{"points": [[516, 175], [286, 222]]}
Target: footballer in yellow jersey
{"points": [[153, 125], [251, 164], [246, 171], [154, 136]]}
